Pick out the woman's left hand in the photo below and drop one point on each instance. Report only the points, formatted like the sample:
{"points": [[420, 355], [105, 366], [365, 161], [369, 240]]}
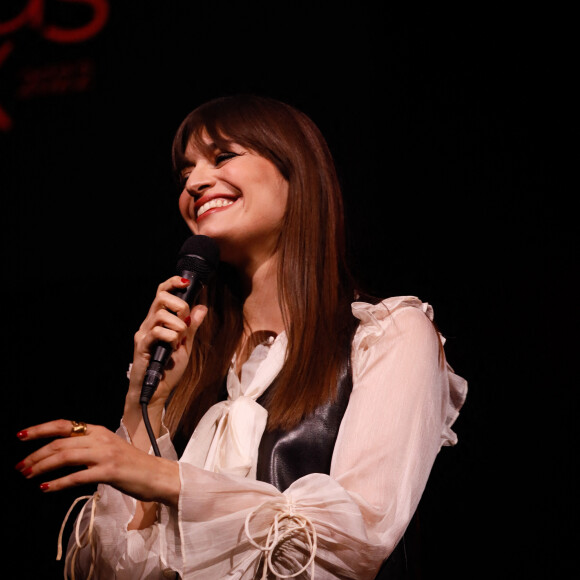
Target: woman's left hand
{"points": [[107, 458]]}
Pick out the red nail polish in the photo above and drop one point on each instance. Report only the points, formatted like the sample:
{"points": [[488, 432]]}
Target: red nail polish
{"points": [[187, 320], [19, 466], [22, 434], [26, 472], [185, 281], [44, 486]]}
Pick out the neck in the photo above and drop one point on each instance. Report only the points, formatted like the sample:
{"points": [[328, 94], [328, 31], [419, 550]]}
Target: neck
{"points": [[261, 306], [262, 310]]}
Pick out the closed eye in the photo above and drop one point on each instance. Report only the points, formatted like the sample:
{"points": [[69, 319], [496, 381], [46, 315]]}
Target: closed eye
{"points": [[220, 157], [224, 156]]}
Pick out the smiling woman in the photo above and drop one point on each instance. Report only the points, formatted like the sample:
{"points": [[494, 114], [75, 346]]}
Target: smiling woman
{"points": [[298, 420]]}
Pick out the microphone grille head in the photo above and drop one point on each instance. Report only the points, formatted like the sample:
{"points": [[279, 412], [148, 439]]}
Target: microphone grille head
{"points": [[199, 254]]}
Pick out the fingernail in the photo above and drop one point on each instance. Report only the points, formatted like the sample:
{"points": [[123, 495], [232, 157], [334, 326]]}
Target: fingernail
{"points": [[44, 486], [26, 472], [19, 466], [185, 281], [22, 434], [187, 320]]}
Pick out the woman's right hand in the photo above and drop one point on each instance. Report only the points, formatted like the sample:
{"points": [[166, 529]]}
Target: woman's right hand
{"points": [[170, 320]]}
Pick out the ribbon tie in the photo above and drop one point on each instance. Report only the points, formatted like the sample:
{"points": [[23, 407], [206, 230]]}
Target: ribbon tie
{"points": [[239, 429], [227, 438], [80, 540], [287, 523]]}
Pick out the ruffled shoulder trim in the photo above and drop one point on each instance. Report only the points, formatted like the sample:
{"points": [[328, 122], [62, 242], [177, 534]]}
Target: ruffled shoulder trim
{"points": [[373, 319], [372, 316], [457, 395]]}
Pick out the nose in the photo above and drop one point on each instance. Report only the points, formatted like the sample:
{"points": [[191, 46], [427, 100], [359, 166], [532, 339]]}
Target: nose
{"points": [[200, 179]]}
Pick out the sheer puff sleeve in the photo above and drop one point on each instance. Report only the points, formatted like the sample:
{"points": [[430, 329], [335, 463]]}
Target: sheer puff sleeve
{"points": [[404, 401]]}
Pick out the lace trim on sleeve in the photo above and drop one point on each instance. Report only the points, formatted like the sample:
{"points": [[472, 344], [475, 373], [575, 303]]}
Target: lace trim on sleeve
{"points": [[292, 523], [87, 535]]}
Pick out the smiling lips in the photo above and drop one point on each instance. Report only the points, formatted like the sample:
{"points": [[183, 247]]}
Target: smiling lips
{"points": [[216, 202]]}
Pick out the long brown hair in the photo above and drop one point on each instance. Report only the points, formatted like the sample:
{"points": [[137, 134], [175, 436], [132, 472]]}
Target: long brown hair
{"points": [[315, 286]]}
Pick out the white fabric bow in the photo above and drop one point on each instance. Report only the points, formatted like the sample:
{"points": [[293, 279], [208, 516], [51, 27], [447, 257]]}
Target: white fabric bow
{"points": [[227, 438]]}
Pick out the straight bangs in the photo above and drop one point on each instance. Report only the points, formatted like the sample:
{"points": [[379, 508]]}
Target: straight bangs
{"points": [[254, 123]]}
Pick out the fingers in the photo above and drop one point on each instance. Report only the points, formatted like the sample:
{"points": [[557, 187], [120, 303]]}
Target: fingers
{"points": [[168, 318], [165, 298], [56, 455], [75, 479], [197, 316], [58, 428], [107, 458], [65, 451], [168, 328]]}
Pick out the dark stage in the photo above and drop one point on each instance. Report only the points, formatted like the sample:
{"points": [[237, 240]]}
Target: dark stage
{"points": [[451, 135]]}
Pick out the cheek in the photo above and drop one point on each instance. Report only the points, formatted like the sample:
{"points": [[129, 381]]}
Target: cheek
{"points": [[186, 210], [282, 199]]}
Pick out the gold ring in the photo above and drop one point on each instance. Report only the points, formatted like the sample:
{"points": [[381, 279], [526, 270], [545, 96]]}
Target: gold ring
{"points": [[78, 429]]}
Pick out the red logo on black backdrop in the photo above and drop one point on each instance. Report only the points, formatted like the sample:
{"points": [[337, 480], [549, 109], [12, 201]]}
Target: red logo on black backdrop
{"points": [[56, 21]]}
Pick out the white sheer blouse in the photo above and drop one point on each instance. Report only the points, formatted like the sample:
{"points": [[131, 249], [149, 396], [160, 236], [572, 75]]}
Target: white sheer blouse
{"points": [[404, 401]]}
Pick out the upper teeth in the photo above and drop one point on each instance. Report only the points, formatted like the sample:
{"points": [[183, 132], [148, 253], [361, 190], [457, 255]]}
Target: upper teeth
{"points": [[219, 202]]}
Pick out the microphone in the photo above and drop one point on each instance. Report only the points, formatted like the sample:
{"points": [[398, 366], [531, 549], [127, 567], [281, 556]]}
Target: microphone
{"points": [[197, 261]]}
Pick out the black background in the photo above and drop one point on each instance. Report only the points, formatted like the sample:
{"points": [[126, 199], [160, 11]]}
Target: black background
{"points": [[451, 133]]}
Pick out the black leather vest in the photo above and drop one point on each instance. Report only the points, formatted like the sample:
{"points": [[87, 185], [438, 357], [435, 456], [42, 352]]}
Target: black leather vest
{"points": [[285, 456]]}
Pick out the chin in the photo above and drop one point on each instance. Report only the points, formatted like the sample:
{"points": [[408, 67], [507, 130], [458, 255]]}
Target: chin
{"points": [[211, 232]]}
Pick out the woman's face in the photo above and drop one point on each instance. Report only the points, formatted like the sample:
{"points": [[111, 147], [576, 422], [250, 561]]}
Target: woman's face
{"points": [[236, 197]]}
